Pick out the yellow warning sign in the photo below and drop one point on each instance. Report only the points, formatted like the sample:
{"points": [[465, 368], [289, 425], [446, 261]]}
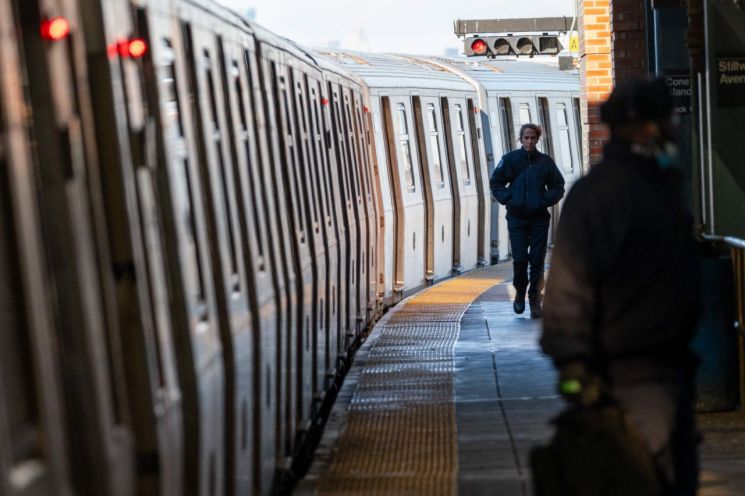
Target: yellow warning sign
{"points": [[574, 43]]}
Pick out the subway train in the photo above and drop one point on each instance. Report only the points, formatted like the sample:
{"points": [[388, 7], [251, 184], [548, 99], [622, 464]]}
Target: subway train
{"points": [[201, 219]]}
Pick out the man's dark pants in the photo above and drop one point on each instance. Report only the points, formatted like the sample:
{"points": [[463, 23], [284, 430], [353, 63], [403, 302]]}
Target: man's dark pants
{"points": [[528, 238]]}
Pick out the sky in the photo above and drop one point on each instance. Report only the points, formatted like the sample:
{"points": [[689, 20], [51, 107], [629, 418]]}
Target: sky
{"points": [[422, 27]]}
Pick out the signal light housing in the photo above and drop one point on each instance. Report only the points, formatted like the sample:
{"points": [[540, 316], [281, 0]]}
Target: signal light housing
{"points": [[492, 46], [55, 28]]}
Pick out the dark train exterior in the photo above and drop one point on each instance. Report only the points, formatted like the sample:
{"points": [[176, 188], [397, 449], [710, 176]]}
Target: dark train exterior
{"points": [[200, 219]]}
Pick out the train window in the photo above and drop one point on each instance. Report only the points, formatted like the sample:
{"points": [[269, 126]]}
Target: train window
{"points": [[351, 154], [245, 140], [360, 133], [578, 127], [341, 151], [508, 130], [302, 115], [403, 136], [294, 198], [318, 130], [545, 115], [216, 139], [461, 133], [16, 360], [197, 279], [524, 113], [434, 144], [170, 89], [562, 127]]}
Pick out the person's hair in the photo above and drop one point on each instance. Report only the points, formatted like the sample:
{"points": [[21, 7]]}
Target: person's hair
{"points": [[534, 127]]}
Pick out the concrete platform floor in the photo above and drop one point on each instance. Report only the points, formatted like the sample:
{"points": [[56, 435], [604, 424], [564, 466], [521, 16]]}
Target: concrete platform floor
{"points": [[504, 396]]}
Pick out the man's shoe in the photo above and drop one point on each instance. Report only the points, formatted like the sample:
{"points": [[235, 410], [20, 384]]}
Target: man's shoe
{"points": [[519, 304], [536, 312]]}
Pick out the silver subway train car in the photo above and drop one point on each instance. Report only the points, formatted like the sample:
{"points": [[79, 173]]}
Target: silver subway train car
{"points": [[201, 220]]}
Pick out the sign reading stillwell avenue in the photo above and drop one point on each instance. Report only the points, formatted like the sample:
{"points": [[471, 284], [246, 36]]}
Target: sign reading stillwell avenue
{"points": [[730, 80]]}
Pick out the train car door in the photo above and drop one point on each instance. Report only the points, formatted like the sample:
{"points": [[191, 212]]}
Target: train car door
{"points": [[397, 196], [482, 183], [308, 260], [259, 412], [359, 275], [77, 257], [426, 167], [367, 264], [133, 210], [274, 215], [338, 230], [310, 165], [186, 246], [454, 184], [387, 218], [344, 174], [217, 153], [31, 407], [328, 322], [284, 208]]}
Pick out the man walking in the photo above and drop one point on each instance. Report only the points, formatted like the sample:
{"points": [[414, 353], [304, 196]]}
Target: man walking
{"points": [[622, 295], [527, 182]]}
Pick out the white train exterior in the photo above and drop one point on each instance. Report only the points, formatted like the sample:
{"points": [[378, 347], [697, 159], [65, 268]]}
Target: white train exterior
{"points": [[194, 239]]}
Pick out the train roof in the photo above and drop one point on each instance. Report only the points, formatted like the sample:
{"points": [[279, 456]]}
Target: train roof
{"points": [[512, 75], [395, 71]]}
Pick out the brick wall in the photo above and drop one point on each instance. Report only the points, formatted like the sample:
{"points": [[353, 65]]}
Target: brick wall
{"points": [[612, 48], [596, 73]]}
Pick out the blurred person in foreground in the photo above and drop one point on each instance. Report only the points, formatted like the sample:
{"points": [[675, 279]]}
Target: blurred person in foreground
{"points": [[621, 301], [528, 182]]}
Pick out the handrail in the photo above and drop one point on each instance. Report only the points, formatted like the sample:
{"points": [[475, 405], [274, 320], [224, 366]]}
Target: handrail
{"points": [[737, 248]]}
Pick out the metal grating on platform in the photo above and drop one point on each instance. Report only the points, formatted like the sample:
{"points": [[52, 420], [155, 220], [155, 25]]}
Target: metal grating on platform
{"points": [[400, 435]]}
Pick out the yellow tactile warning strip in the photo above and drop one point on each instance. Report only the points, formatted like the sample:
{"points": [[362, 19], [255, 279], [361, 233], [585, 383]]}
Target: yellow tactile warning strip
{"points": [[400, 435]]}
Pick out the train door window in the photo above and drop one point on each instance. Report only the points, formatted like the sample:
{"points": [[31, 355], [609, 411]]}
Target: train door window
{"points": [[360, 134], [351, 150], [195, 279], [318, 137], [306, 151], [170, 91], [578, 126], [340, 148], [290, 148], [244, 138], [214, 135], [403, 137], [545, 115], [562, 128], [461, 133], [434, 145], [524, 113], [508, 129]]}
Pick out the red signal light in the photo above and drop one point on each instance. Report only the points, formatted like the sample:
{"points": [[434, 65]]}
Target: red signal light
{"points": [[55, 29], [478, 46], [134, 49], [324, 101]]}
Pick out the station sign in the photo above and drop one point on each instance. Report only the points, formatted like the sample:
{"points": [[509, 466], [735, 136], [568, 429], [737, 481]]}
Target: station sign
{"points": [[729, 71], [680, 89]]}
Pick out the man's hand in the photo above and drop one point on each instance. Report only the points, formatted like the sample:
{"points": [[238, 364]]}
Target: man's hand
{"points": [[580, 386]]}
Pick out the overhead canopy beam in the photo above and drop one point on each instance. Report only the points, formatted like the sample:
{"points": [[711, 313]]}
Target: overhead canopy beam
{"points": [[465, 27]]}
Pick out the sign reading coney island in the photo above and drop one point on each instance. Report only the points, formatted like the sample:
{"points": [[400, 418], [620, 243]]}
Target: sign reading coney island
{"points": [[730, 80]]}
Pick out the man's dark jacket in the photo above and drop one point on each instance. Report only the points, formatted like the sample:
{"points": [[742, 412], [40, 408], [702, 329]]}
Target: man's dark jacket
{"points": [[625, 269], [527, 183]]}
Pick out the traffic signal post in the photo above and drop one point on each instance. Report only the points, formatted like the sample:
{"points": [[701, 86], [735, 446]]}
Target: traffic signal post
{"points": [[504, 37]]}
